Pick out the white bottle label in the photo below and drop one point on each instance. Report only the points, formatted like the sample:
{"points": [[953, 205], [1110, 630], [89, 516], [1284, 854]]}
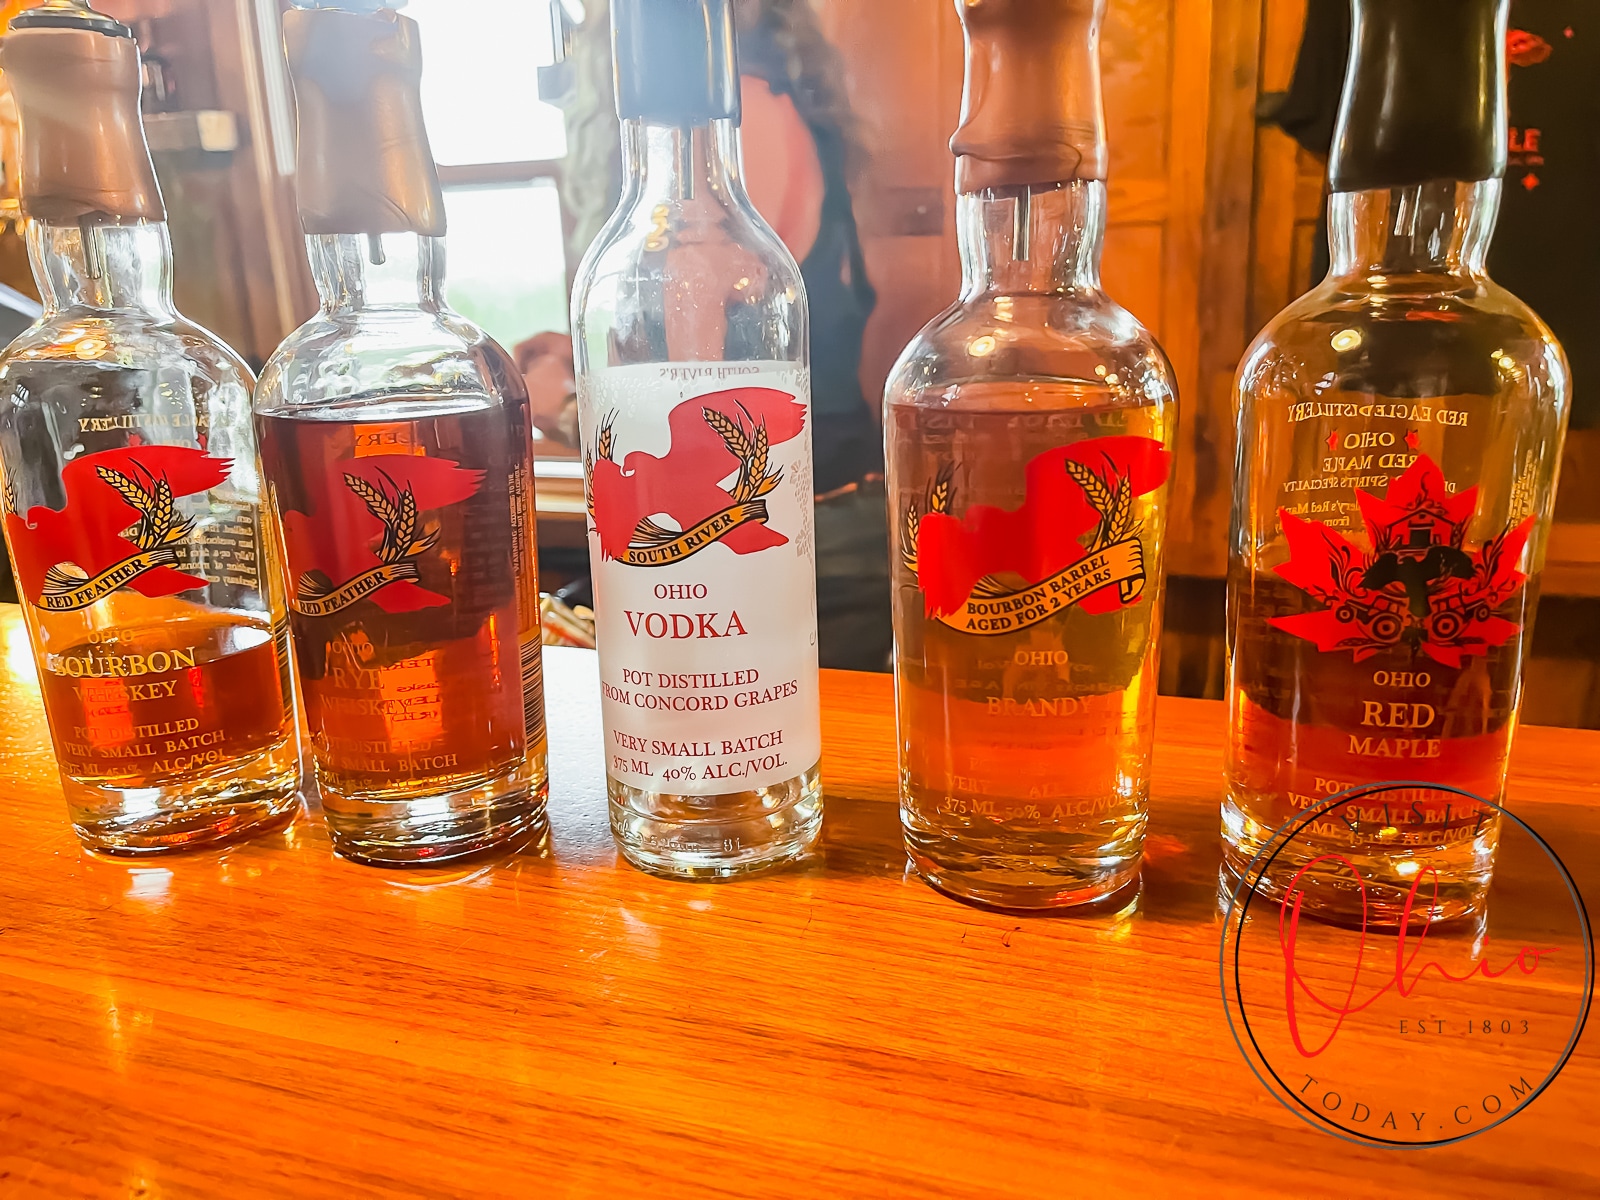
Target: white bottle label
{"points": [[700, 541]]}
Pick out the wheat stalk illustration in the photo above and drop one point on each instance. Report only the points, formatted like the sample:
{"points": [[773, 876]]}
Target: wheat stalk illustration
{"points": [[941, 495], [731, 433], [908, 537], [752, 446], [605, 441], [402, 536], [1115, 507], [377, 503], [159, 522]]}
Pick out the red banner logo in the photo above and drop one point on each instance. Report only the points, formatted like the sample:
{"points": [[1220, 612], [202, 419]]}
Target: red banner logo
{"points": [[710, 485], [363, 532], [119, 527], [1068, 492]]}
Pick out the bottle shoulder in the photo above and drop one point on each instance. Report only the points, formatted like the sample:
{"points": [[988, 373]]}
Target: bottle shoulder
{"points": [[679, 236], [1416, 337], [1081, 335], [697, 279], [377, 354], [126, 340]]}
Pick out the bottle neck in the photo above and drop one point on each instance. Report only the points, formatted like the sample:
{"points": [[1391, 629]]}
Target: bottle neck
{"points": [[664, 164], [1441, 227], [1037, 238], [126, 268], [357, 272]]}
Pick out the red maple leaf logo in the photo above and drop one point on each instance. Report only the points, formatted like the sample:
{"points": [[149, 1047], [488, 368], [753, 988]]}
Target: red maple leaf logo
{"points": [[1416, 584], [1042, 536]]}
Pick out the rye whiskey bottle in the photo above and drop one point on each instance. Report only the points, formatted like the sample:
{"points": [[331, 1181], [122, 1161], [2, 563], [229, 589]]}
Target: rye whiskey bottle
{"points": [[132, 494], [395, 437], [689, 333], [1030, 429], [1399, 429]]}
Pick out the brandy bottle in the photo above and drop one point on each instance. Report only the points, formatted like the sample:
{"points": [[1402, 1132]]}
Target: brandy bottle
{"points": [[1399, 429], [396, 443], [689, 335], [1029, 430], [132, 495]]}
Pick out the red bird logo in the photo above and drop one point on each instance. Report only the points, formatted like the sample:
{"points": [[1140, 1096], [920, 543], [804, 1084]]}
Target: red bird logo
{"points": [[710, 484], [363, 525], [1067, 492], [119, 527]]}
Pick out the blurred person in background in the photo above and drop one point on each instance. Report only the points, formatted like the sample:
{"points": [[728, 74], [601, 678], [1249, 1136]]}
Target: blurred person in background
{"points": [[799, 152]]}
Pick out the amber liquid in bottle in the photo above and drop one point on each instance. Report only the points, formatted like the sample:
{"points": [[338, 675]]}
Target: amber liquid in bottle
{"points": [[1029, 431], [168, 694], [142, 708], [1023, 751], [395, 438], [415, 619], [1399, 432], [132, 500]]}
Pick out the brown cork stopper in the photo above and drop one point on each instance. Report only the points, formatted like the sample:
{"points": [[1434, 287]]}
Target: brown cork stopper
{"points": [[1030, 110], [365, 164], [83, 154]]}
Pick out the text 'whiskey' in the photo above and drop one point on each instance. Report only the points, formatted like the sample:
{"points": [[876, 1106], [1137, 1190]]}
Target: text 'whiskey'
{"points": [[132, 497], [396, 440]]}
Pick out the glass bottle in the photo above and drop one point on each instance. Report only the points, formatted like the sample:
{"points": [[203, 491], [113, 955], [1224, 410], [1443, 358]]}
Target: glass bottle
{"points": [[132, 495], [689, 333], [1030, 430], [396, 442], [1399, 430]]}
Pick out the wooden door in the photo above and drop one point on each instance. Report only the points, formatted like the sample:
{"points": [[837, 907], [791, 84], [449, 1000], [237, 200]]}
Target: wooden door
{"points": [[904, 63]]}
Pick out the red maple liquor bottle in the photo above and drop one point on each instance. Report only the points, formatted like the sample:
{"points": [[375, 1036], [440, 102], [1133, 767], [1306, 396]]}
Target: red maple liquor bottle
{"points": [[1029, 432], [1399, 430]]}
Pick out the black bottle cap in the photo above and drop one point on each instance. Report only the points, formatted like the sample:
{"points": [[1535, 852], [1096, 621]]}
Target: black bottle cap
{"points": [[69, 14], [1425, 95], [675, 60]]}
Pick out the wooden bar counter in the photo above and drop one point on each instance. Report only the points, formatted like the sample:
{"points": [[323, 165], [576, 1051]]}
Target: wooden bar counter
{"points": [[269, 1020]]}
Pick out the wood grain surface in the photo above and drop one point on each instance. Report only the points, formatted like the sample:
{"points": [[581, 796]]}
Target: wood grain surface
{"points": [[271, 1021]]}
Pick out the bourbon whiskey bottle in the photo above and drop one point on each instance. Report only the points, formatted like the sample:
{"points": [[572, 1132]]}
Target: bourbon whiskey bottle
{"points": [[131, 497], [1030, 430], [396, 442], [689, 332], [1399, 429]]}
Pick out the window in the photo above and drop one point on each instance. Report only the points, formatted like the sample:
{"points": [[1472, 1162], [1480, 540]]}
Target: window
{"points": [[498, 148]]}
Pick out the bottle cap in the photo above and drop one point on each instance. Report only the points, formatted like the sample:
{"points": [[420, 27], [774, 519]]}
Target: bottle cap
{"points": [[1425, 94], [365, 165], [1030, 109], [69, 14], [75, 76], [676, 61]]}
